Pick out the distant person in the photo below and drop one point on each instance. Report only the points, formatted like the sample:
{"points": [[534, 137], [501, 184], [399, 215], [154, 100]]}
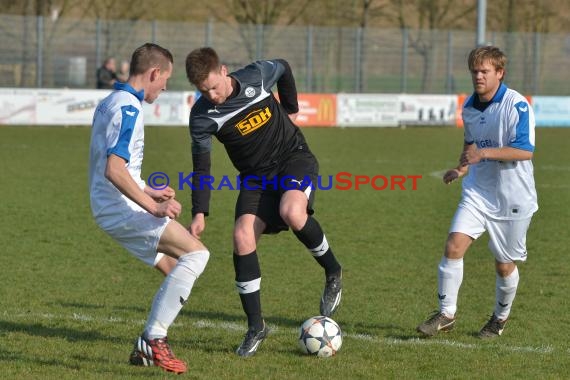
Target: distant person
{"points": [[123, 73], [498, 195], [274, 160], [138, 217], [106, 74]]}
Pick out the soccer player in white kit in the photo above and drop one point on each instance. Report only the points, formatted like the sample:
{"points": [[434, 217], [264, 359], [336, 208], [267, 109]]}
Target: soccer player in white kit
{"points": [[137, 216], [498, 195]]}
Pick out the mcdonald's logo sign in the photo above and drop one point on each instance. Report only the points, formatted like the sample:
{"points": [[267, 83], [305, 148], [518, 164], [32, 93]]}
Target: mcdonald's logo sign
{"points": [[326, 111], [317, 110]]}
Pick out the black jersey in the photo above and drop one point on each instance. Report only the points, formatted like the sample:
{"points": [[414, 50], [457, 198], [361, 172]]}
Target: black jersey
{"points": [[253, 126]]}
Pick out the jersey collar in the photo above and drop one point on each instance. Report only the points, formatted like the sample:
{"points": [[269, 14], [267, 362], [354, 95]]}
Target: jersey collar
{"points": [[127, 87], [496, 98], [499, 94]]}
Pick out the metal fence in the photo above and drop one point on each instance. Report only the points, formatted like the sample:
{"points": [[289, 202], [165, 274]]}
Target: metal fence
{"points": [[45, 53]]}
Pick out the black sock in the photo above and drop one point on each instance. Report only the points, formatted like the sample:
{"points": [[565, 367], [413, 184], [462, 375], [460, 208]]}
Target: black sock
{"points": [[248, 281], [313, 237]]}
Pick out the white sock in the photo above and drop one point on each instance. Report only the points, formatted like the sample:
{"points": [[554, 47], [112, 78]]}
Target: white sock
{"points": [[505, 290], [174, 292], [450, 276]]}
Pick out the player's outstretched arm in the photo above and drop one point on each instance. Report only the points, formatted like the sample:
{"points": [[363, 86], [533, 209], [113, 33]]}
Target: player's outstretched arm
{"points": [[119, 176]]}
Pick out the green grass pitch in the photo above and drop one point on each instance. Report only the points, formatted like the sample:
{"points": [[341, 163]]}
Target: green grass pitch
{"points": [[72, 300]]}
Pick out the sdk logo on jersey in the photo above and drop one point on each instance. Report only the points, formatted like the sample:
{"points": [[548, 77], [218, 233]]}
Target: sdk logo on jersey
{"points": [[254, 120]]}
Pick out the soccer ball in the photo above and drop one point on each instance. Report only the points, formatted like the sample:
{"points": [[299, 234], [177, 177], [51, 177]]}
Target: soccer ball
{"points": [[320, 336]]}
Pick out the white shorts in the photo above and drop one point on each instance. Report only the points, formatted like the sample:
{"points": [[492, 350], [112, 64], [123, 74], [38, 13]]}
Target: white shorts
{"points": [[507, 238], [138, 231]]}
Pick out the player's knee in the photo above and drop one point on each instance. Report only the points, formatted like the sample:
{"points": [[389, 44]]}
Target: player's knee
{"points": [[243, 236], [505, 269], [240, 234], [453, 249], [189, 244], [195, 261], [294, 217], [199, 246]]}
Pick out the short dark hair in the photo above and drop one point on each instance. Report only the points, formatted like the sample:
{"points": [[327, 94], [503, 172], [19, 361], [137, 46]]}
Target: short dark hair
{"points": [[200, 63], [148, 56]]}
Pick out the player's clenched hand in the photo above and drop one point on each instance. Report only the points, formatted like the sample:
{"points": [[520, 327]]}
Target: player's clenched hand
{"points": [[470, 156], [450, 176], [170, 208], [160, 195], [198, 225]]}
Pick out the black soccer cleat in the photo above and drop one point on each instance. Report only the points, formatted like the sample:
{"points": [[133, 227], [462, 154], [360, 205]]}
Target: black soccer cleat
{"points": [[332, 294], [493, 328], [252, 340], [435, 323]]}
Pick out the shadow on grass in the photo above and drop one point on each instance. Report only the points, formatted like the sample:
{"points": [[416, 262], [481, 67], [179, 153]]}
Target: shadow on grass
{"points": [[85, 306], [193, 313], [216, 316], [8, 356], [37, 329]]}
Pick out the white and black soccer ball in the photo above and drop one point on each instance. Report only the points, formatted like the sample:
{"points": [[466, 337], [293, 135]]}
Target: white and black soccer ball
{"points": [[320, 336]]}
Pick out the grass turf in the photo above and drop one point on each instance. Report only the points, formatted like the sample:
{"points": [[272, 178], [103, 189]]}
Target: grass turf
{"points": [[72, 300]]}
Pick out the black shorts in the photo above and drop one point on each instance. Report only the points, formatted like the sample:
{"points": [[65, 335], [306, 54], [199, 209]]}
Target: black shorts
{"points": [[261, 195]]}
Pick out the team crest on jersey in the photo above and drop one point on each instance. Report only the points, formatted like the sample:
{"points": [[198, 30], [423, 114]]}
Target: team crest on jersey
{"points": [[250, 92], [254, 120]]}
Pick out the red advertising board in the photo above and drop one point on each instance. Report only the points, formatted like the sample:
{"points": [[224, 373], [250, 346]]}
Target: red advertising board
{"points": [[316, 110]]}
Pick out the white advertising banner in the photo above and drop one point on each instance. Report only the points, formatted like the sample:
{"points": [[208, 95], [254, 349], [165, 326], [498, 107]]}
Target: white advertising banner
{"points": [[169, 109], [551, 111], [76, 107], [68, 107], [427, 109], [367, 110], [60, 107], [17, 106]]}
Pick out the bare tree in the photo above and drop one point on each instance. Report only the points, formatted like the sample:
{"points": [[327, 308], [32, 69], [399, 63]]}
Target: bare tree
{"points": [[31, 10], [523, 24], [541, 16], [428, 16], [264, 12], [252, 16], [42, 24], [359, 14], [369, 9], [107, 12]]}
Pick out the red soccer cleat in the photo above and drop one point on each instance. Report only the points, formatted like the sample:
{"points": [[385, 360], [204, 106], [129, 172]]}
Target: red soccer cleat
{"points": [[156, 352]]}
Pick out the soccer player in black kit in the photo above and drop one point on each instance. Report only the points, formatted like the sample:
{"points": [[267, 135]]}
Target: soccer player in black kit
{"points": [[276, 168]]}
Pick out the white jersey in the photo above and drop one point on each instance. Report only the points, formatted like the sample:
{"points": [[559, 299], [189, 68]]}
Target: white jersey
{"points": [[117, 129], [501, 189]]}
